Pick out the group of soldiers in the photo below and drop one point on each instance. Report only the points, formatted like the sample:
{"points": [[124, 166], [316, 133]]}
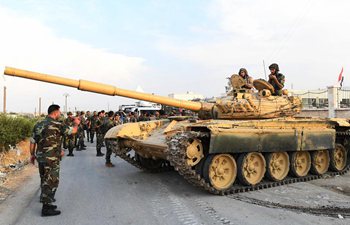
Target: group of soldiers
{"points": [[276, 79], [98, 123], [92, 123]]}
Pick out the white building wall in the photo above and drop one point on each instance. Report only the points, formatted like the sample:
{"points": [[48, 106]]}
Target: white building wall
{"points": [[186, 96]]}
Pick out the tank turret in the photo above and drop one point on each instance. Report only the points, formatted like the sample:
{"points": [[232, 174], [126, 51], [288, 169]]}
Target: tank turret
{"points": [[240, 104]]}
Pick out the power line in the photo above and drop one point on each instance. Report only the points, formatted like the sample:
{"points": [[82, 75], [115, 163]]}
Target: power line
{"points": [[291, 31]]}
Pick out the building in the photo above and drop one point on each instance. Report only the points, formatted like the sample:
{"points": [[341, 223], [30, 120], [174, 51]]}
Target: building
{"points": [[188, 96], [313, 99]]}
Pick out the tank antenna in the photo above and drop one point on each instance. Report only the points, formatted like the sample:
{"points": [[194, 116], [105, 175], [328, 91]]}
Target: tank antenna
{"points": [[264, 69]]}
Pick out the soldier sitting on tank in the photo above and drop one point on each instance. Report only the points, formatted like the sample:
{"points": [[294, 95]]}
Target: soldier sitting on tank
{"points": [[276, 79], [248, 79]]}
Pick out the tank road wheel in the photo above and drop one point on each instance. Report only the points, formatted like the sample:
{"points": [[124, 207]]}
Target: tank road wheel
{"points": [[251, 168], [194, 152], [277, 165], [320, 162], [300, 163], [220, 170], [338, 158]]}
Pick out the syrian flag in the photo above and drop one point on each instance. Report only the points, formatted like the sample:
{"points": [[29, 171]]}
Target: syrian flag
{"points": [[341, 78]]}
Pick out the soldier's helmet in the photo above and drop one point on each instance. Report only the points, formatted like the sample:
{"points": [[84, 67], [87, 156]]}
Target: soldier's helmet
{"points": [[69, 113], [274, 66]]}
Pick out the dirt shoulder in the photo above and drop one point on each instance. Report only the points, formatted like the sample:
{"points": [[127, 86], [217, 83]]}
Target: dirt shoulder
{"points": [[14, 169]]}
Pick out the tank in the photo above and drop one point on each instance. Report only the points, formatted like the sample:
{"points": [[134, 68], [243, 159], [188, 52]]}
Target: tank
{"points": [[247, 140]]}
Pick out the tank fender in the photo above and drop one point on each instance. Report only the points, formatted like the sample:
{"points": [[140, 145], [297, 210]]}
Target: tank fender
{"points": [[140, 130], [343, 122], [223, 140]]}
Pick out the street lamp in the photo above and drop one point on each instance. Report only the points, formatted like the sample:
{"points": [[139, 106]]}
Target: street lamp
{"points": [[65, 101]]}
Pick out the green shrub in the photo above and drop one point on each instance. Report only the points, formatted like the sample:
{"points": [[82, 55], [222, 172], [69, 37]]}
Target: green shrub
{"points": [[14, 129]]}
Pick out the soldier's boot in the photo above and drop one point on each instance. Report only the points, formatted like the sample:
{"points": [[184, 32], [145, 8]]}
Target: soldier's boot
{"points": [[81, 145], [99, 153], [52, 206], [49, 210], [70, 152], [109, 164]]}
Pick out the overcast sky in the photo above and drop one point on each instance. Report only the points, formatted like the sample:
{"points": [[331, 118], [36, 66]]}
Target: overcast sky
{"points": [[168, 46]]}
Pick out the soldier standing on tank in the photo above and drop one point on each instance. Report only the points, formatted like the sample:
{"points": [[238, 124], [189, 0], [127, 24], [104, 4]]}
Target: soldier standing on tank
{"points": [[87, 125], [70, 138], [45, 146], [248, 79], [99, 134], [108, 124], [276, 79], [93, 120]]}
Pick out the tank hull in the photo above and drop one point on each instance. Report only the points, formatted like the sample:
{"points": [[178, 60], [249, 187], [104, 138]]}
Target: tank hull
{"points": [[193, 147]]}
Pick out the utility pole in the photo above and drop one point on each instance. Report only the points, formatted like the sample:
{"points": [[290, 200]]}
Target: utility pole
{"points": [[66, 95], [39, 106], [4, 107]]}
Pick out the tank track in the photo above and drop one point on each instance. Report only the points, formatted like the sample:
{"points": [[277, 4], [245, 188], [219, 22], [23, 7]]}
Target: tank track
{"points": [[177, 157], [123, 153]]}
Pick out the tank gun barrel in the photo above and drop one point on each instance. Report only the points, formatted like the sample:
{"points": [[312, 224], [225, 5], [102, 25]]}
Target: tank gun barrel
{"points": [[106, 89]]}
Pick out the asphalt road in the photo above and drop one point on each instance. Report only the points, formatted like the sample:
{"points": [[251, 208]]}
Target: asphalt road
{"points": [[90, 193]]}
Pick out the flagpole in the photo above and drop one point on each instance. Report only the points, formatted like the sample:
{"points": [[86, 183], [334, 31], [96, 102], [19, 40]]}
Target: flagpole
{"points": [[340, 77]]}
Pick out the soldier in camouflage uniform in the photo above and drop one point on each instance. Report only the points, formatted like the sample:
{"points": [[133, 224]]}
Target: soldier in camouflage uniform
{"points": [[77, 115], [80, 134], [157, 116], [87, 125], [46, 143], [99, 133], [109, 122], [133, 118], [276, 79], [70, 138], [93, 120], [64, 140]]}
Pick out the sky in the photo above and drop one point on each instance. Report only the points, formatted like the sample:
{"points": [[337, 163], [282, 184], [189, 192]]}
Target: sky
{"points": [[167, 46]]}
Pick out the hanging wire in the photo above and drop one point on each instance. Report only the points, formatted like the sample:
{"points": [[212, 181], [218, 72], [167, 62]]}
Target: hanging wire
{"points": [[292, 29]]}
